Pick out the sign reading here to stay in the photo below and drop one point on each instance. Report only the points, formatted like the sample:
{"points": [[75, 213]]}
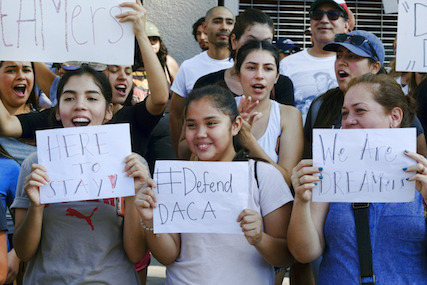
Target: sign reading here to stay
{"points": [[85, 163]]}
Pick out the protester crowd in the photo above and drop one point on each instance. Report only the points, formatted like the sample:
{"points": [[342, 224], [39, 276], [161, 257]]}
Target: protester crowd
{"points": [[245, 97]]}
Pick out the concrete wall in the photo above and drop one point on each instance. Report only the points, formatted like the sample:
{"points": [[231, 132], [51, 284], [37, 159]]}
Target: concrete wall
{"points": [[175, 19]]}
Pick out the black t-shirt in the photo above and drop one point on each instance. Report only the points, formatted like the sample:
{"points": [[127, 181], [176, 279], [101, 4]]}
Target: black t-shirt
{"points": [[420, 96], [140, 120], [141, 124], [34, 121], [283, 91]]}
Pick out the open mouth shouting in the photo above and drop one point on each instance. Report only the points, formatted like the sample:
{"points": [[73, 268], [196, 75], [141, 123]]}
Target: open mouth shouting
{"points": [[20, 89], [80, 121], [121, 89], [258, 88], [342, 75]]}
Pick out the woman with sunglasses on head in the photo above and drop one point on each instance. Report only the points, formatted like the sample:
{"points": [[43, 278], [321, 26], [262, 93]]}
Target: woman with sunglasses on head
{"points": [[357, 53], [397, 232], [142, 117]]}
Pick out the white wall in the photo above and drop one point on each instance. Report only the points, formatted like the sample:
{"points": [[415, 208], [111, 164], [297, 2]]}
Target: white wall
{"points": [[175, 19]]}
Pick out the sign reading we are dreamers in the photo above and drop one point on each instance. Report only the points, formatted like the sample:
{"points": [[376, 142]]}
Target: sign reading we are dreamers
{"points": [[364, 165], [199, 196], [85, 163], [65, 30]]}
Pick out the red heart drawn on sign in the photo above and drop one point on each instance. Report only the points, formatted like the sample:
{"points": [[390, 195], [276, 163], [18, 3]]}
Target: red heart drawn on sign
{"points": [[113, 180]]}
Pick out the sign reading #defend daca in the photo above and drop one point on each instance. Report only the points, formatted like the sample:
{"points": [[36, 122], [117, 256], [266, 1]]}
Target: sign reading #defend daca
{"points": [[200, 197], [85, 163], [364, 165], [65, 30]]}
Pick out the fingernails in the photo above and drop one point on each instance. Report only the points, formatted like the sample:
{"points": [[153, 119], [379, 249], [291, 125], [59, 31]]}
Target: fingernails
{"points": [[320, 168], [407, 179], [406, 151], [320, 177], [405, 168], [315, 183]]}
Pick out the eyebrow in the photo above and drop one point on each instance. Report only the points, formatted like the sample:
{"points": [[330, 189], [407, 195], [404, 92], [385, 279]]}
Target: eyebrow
{"points": [[207, 118], [222, 18], [70, 91]]}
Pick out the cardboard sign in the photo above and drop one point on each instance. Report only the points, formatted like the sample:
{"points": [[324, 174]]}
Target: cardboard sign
{"points": [[364, 165], [65, 30], [412, 36], [200, 197], [85, 163]]}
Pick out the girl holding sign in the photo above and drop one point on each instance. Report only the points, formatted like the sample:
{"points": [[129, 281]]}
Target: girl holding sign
{"points": [[212, 124], [108, 260], [397, 231], [83, 241]]}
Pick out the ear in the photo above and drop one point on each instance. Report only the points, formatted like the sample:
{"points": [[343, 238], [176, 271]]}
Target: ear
{"points": [[108, 113], [375, 67], [237, 125], [396, 116], [57, 116], [233, 41], [204, 25]]}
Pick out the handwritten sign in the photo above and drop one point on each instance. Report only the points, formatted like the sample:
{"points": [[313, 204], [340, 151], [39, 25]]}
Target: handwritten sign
{"points": [[64, 30], [364, 165], [200, 197], [85, 163], [412, 36]]}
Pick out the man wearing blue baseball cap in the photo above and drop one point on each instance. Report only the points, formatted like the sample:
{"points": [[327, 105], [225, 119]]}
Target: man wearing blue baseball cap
{"points": [[286, 47], [327, 18]]}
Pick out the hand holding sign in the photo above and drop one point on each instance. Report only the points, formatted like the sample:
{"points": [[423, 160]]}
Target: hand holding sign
{"points": [[420, 169]]}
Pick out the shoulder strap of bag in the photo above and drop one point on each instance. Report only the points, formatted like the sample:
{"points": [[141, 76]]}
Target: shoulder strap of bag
{"points": [[256, 173], [361, 217]]}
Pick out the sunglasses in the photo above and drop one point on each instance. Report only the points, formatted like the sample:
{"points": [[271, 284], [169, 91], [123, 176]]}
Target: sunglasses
{"points": [[74, 65], [292, 51], [332, 15], [357, 40]]}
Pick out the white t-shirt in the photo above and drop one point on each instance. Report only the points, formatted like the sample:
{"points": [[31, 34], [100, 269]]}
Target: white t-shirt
{"points": [[194, 68], [229, 258], [311, 76]]}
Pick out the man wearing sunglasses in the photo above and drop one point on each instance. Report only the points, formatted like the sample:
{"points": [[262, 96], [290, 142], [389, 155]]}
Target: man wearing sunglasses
{"points": [[327, 18]]}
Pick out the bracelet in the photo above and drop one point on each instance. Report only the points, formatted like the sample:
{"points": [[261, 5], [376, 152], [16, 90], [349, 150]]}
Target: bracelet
{"points": [[148, 229]]}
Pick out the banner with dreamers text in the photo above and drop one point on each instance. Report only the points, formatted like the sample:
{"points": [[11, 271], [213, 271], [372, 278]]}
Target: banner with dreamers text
{"points": [[364, 165], [65, 30], [85, 163]]}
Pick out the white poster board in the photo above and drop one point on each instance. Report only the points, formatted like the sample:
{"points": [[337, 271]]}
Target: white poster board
{"points": [[364, 165], [390, 6], [65, 30], [199, 197], [85, 163], [412, 36]]}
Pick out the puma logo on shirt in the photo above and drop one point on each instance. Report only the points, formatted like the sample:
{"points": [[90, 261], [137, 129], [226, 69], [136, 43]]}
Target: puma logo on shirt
{"points": [[74, 213]]}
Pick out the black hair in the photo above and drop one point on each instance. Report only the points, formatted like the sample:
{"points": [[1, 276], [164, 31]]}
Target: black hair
{"points": [[99, 78], [249, 17], [256, 45], [224, 101], [196, 26]]}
